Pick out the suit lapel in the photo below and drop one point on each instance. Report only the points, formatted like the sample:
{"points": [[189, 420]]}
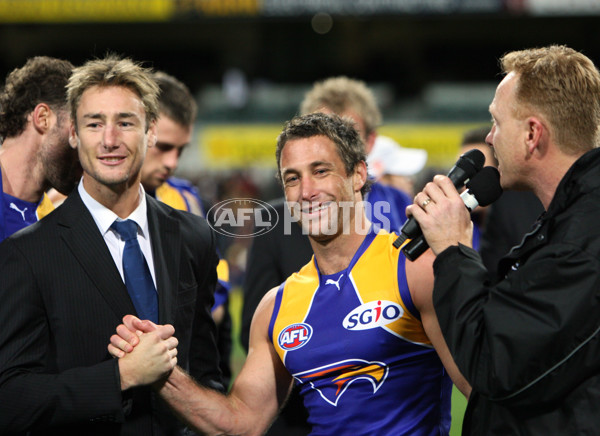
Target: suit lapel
{"points": [[166, 245], [81, 235]]}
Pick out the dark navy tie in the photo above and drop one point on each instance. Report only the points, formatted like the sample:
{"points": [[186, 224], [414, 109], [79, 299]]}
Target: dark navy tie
{"points": [[137, 274]]}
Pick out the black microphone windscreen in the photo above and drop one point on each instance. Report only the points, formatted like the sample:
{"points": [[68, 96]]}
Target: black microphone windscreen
{"points": [[485, 186], [467, 165], [471, 162]]}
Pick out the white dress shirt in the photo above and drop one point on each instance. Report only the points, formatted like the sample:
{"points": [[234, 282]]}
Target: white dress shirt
{"points": [[104, 218]]}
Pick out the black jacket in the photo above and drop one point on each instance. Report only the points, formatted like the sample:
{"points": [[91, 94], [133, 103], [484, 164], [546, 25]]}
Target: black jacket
{"points": [[508, 219], [529, 345], [62, 297]]}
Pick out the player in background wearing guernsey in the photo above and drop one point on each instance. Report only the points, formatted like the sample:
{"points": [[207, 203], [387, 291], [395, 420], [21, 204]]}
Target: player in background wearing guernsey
{"points": [[355, 327], [175, 125], [35, 153]]}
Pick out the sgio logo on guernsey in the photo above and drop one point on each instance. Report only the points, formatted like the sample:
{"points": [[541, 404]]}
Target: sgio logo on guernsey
{"points": [[373, 314], [295, 336], [243, 217]]}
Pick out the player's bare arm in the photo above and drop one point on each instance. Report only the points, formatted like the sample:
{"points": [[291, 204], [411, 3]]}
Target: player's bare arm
{"points": [[259, 391], [419, 275]]}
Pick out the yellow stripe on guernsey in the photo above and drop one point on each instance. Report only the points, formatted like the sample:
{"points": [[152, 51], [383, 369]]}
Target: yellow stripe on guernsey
{"points": [[375, 275], [171, 196], [373, 278], [195, 207], [44, 208], [179, 199]]}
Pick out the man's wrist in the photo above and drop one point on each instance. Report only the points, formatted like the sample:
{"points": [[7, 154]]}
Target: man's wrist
{"points": [[174, 382], [126, 375]]}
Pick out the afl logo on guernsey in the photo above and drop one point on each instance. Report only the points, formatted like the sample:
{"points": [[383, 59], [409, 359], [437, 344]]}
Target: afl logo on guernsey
{"points": [[378, 313], [295, 336]]}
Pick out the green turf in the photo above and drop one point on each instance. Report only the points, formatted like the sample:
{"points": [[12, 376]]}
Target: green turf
{"points": [[459, 403]]}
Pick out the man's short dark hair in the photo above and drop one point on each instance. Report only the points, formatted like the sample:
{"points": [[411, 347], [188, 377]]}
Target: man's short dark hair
{"points": [[41, 80], [175, 100], [341, 132]]}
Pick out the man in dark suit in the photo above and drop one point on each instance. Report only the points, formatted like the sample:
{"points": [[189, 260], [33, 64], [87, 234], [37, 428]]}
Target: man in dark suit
{"points": [[62, 291]]}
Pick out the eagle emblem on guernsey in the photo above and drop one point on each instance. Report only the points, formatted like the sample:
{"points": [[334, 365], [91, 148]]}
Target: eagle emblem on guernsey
{"points": [[332, 381]]}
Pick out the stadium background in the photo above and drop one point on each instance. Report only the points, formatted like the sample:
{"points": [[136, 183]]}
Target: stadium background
{"points": [[433, 65]]}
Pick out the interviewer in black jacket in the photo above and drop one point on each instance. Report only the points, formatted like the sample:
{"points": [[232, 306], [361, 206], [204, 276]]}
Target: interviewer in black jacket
{"points": [[529, 345]]}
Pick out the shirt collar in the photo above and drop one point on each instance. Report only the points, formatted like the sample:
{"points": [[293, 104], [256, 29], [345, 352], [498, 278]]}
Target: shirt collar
{"points": [[104, 217]]}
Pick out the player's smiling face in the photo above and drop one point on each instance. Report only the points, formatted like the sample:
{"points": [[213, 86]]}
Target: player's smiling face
{"points": [[317, 188]]}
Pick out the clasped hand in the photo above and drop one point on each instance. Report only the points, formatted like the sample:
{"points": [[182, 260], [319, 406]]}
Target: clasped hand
{"points": [[147, 352]]}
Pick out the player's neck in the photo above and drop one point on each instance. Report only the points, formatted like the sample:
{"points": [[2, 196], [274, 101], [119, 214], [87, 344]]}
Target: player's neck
{"points": [[335, 255], [22, 172]]}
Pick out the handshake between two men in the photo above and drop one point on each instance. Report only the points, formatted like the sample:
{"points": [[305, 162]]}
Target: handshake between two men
{"points": [[147, 352]]}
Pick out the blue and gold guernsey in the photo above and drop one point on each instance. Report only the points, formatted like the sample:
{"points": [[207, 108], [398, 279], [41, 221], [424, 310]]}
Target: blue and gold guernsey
{"points": [[180, 194], [16, 214], [355, 345]]}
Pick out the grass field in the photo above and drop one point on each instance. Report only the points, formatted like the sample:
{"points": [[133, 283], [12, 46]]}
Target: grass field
{"points": [[235, 307]]}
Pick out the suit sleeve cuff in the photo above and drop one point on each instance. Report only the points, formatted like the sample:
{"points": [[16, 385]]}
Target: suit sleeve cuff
{"points": [[126, 396]]}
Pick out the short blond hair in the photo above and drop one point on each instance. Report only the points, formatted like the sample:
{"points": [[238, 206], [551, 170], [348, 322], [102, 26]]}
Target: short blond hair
{"points": [[564, 86], [339, 94], [114, 71]]}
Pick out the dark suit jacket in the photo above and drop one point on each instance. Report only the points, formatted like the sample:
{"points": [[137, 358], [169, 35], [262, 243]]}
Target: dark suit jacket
{"points": [[61, 299]]}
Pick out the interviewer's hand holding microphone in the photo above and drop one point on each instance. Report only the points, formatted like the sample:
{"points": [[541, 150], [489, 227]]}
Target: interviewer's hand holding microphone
{"points": [[442, 214]]}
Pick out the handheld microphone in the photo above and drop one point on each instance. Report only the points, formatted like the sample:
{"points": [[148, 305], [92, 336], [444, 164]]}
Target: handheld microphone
{"points": [[482, 190], [467, 165]]}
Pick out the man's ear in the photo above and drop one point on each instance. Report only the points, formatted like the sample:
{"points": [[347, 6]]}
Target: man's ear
{"points": [[152, 134], [360, 176], [535, 134], [73, 140], [40, 117]]}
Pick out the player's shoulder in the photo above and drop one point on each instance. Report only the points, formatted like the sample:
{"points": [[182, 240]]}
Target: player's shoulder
{"points": [[186, 219], [182, 185], [307, 272], [268, 300], [188, 191], [37, 237]]}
